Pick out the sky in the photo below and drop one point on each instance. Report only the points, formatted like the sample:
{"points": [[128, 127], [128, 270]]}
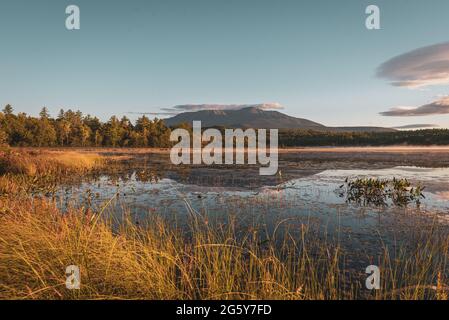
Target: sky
{"points": [[312, 59]]}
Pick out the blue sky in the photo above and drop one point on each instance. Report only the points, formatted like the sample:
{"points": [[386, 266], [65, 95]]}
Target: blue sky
{"points": [[315, 58]]}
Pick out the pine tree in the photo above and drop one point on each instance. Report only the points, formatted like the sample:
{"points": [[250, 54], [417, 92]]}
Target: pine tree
{"points": [[8, 110], [61, 114], [44, 113]]}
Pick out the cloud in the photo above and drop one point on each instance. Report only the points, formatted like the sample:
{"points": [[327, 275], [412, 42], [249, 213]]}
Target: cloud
{"points": [[417, 126], [198, 107], [418, 68], [155, 113], [440, 106]]}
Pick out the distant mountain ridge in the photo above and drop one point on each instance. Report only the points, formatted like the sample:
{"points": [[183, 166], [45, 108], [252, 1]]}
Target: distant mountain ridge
{"points": [[253, 117]]}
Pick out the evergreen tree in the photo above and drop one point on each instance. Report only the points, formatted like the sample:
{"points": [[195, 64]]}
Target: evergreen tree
{"points": [[8, 110], [44, 113]]}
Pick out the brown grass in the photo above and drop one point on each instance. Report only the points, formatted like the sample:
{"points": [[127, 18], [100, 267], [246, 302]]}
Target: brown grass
{"points": [[206, 261], [33, 163], [37, 243]]}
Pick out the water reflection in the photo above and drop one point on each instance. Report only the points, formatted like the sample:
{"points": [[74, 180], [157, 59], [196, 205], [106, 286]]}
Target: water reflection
{"points": [[301, 195], [142, 184]]}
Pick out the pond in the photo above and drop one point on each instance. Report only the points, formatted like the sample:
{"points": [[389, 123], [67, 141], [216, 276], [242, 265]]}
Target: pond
{"points": [[303, 193], [148, 184]]}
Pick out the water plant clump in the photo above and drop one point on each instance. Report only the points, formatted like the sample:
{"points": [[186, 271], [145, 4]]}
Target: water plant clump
{"points": [[381, 192]]}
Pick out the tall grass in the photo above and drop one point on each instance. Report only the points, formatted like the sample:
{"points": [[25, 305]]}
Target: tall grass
{"points": [[26, 172], [33, 163], [38, 242], [205, 261]]}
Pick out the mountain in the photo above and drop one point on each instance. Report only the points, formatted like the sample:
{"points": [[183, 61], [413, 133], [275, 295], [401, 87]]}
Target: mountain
{"points": [[253, 117]]}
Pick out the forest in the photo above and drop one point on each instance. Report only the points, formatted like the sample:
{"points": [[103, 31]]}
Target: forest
{"points": [[304, 138], [74, 129]]}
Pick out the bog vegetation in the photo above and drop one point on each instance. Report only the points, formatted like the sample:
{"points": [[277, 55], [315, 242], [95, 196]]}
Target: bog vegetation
{"points": [[31, 172], [379, 192], [207, 259]]}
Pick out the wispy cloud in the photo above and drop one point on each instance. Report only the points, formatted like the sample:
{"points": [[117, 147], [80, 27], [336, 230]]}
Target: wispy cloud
{"points": [[440, 106], [198, 107], [417, 126], [155, 113], [418, 68]]}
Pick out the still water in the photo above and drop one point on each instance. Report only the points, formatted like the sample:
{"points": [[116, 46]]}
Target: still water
{"points": [[148, 185], [302, 194]]}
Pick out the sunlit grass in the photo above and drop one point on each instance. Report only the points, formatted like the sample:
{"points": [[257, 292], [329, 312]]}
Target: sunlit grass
{"points": [[38, 242], [205, 259], [25, 172], [33, 163]]}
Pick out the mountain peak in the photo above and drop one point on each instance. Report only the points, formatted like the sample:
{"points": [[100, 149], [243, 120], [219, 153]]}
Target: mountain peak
{"points": [[257, 118], [252, 110], [249, 117]]}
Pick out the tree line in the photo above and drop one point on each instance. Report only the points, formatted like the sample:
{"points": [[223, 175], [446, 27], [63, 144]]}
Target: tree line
{"points": [[304, 138], [73, 129]]}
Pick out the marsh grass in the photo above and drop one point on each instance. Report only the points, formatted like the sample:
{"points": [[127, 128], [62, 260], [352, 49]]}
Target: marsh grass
{"points": [[36, 162], [24, 172], [208, 260], [38, 242]]}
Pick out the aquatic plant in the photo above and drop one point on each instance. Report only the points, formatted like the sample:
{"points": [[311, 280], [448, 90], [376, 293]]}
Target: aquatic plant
{"points": [[378, 192]]}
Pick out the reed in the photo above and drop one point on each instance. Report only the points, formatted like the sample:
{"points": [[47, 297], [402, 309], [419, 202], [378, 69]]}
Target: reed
{"points": [[36, 162], [122, 260], [206, 259], [25, 172]]}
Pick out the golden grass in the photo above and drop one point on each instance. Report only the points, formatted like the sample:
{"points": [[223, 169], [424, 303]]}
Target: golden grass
{"points": [[206, 261], [24, 172], [33, 163], [37, 243]]}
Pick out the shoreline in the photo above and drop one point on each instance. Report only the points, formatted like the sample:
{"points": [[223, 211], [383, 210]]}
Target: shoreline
{"points": [[329, 149]]}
